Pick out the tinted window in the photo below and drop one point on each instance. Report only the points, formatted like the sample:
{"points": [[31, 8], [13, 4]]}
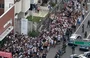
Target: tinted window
{"points": [[75, 57], [2, 5]]}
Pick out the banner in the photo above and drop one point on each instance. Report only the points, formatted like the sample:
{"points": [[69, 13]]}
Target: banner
{"points": [[5, 54], [24, 26]]}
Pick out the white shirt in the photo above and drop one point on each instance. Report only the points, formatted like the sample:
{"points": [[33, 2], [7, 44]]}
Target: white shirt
{"points": [[35, 49], [59, 37]]}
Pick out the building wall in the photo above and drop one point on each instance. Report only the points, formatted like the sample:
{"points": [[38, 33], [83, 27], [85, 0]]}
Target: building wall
{"points": [[25, 5], [34, 1], [5, 18], [8, 4], [1, 9], [18, 7]]}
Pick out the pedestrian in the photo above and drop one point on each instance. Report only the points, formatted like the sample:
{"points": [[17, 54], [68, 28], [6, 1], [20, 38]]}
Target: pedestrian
{"points": [[83, 14], [44, 55], [64, 47], [67, 34], [73, 27], [82, 28], [73, 49], [88, 23], [85, 34], [57, 55], [38, 9]]}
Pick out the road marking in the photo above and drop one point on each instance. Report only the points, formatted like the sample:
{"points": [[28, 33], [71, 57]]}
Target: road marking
{"points": [[88, 36], [82, 23]]}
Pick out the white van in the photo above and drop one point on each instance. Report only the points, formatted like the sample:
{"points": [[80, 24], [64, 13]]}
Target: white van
{"points": [[73, 38]]}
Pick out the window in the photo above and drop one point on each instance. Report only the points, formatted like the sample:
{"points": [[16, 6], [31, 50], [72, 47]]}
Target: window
{"points": [[1, 5], [26, 13]]}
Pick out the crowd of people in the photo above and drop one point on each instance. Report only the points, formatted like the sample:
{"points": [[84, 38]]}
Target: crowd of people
{"points": [[60, 29]]}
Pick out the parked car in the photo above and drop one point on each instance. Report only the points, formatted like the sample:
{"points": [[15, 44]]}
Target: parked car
{"points": [[82, 56], [73, 38], [74, 56], [71, 43], [87, 54], [84, 48]]}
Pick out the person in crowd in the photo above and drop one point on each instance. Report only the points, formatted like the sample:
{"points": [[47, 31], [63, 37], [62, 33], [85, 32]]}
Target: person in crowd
{"points": [[88, 23], [85, 34], [57, 55], [28, 47], [73, 49], [64, 47], [82, 28], [44, 55]]}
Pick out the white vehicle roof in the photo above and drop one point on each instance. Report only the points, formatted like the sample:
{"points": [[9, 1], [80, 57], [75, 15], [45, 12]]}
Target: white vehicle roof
{"points": [[82, 56], [74, 36], [73, 55], [86, 52]]}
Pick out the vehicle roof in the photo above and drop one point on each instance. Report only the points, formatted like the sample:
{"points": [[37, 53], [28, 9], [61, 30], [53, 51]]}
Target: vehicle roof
{"points": [[86, 52], [74, 36], [73, 55], [82, 56]]}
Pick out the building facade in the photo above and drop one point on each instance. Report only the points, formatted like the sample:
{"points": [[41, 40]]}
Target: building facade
{"points": [[1, 7]]}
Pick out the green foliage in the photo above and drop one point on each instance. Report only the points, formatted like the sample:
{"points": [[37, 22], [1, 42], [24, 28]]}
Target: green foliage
{"points": [[35, 19], [33, 33]]}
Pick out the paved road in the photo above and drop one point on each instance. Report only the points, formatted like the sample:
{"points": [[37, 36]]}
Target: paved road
{"points": [[79, 30], [53, 51], [89, 28]]}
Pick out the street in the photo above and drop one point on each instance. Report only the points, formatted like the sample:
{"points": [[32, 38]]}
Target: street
{"points": [[79, 29], [53, 51]]}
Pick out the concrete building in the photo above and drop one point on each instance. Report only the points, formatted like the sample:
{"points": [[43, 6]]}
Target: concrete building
{"points": [[10, 10], [6, 17]]}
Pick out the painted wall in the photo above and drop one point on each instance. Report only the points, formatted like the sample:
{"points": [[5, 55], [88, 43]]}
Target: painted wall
{"points": [[8, 3], [25, 5], [5, 18], [18, 6]]}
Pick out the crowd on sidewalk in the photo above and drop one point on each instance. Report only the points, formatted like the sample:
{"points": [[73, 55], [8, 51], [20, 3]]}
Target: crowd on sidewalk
{"points": [[60, 28]]}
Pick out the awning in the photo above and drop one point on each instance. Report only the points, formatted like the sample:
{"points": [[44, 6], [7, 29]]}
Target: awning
{"points": [[6, 32], [6, 54]]}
